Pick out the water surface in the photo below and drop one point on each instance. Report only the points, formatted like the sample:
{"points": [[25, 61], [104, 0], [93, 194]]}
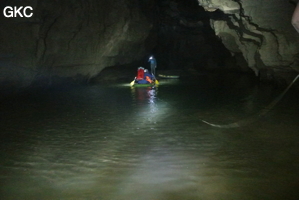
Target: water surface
{"points": [[117, 142]]}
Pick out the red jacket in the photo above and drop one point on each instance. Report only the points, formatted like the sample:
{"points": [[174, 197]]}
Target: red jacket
{"points": [[140, 73]]}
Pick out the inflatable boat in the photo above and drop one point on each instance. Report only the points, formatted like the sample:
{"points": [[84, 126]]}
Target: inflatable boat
{"points": [[143, 85], [168, 76]]}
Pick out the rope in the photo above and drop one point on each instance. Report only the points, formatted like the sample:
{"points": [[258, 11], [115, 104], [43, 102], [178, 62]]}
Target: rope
{"points": [[256, 116]]}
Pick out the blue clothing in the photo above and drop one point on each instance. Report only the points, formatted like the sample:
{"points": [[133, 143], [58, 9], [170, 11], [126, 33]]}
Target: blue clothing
{"points": [[144, 81], [153, 63], [152, 60], [149, 75]]}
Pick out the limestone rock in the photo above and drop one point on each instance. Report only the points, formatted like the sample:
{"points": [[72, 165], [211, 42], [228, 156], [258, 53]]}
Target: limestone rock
{"points": [[260, 30], [66, 38]]}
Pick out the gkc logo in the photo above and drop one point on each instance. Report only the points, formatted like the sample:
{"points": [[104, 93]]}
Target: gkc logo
{"points": [[18, 11]]}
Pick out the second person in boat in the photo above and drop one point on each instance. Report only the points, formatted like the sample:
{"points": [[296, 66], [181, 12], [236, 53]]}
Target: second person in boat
{"points": [[148, 76]]}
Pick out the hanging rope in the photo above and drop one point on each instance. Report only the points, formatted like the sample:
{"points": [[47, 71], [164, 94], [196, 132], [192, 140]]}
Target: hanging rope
{"points": [[256, 116]]}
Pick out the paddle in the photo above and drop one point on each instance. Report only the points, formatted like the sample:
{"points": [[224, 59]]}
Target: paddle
{"points": [[156, 81], [133, 82]]}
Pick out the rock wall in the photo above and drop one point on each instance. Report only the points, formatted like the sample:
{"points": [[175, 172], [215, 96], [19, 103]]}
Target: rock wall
{"points": [[186, 41], [260, 31], [68, 38]]}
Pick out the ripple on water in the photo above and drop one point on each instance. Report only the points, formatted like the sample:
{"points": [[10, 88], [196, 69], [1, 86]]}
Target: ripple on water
{"points": [[108, 144]]}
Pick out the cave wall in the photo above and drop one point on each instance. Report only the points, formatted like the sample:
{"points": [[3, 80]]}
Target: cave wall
{"points": [[79, 38], [260, 31], [70, 38], [186, 41]]}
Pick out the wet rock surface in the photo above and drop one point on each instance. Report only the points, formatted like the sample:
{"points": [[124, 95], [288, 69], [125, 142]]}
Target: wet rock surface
{"points": [[186, 40], [259, 31], [75, 40], [70, 38]]}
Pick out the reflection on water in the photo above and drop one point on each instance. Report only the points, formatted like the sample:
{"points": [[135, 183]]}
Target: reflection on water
{"points": [[146, 99], [118, 142]]}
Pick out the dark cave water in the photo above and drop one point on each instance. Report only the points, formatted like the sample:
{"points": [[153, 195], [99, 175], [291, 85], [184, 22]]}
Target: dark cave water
{"points": [[116, 142]]}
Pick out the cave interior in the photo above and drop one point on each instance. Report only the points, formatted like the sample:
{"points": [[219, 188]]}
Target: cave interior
{"points": [[80, 41]]}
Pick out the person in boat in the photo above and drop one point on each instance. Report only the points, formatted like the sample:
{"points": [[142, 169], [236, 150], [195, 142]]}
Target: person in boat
{"points": [[143, 76], [153, 63], [140, 74], [148, 76]]}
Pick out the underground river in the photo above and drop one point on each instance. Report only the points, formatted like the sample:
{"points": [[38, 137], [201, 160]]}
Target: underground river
{"points": [[121, 143]]}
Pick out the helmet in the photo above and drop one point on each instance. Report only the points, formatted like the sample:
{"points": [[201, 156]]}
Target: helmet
{"points": [[151, 57]]}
